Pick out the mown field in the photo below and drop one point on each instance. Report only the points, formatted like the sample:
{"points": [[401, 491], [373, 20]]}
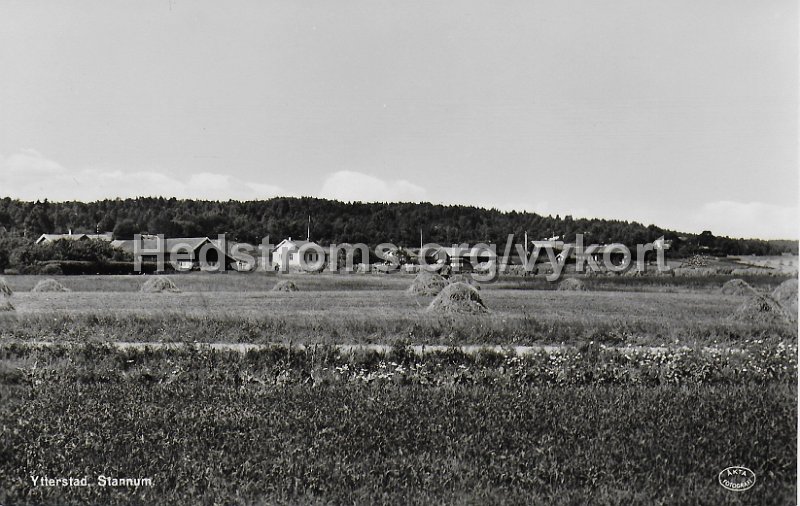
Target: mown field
{"points": [[264, 281], [377, 309], [595, 423]]}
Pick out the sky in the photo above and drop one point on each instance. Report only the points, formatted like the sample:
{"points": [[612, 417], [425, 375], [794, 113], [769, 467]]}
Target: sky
{"points": [[680, 113]]}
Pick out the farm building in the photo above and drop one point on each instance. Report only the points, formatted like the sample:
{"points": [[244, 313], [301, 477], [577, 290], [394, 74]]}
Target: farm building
{"points": [[460, 259], [185, 253], [245, 264], [616, 255], [69, 236], [544, 244], [295, 254]]}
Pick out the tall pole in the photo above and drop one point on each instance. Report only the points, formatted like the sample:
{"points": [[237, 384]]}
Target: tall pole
{"points": [[308, 232]]}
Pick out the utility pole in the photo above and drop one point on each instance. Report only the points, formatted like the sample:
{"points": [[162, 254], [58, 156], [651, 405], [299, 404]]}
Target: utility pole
{"points": [[308, 232]]}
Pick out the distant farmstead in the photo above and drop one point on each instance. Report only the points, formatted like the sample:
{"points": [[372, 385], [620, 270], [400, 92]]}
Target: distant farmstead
{"points": [[184, 253], [50, 238]]}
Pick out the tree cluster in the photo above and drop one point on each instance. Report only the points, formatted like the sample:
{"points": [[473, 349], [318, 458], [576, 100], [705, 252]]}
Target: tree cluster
{"points": [[331, 221]]}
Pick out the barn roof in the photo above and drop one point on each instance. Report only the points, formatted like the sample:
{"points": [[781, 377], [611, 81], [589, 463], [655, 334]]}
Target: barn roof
{"points": [[192, 243], [72, 237], [296, 243]]}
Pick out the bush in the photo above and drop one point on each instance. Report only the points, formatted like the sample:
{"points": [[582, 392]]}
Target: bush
{"points": [[52, 269]]}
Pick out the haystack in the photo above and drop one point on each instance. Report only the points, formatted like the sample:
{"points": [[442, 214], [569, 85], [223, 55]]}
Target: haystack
{"points": [[427, 283], [464, 278], [49, 285], [759, 308], [572, 284], [697, 261], [159, 284], [786, 295], [736, 287], [458, 298], [5, 290], [5, 296], [285, 285]]}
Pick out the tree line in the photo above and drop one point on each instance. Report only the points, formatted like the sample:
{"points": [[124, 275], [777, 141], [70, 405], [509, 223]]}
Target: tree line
{"points": [[339, 222]]}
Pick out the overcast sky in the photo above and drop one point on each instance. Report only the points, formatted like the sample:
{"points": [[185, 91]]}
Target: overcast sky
{"points": [[679, 113]]}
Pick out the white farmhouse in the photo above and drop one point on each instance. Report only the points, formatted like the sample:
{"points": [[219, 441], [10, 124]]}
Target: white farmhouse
{"points": [[297, 254]]}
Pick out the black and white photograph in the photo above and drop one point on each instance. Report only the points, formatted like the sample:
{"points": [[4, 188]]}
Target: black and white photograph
{"points": [[361, 252]]}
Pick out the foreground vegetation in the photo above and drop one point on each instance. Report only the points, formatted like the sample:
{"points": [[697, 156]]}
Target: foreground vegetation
{"points": [[593, 421], [414, 328], [317, 427]]}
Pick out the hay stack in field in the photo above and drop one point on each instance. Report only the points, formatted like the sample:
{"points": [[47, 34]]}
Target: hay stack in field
{"points": [[573, 284], [458, 298], [5, 290], [464, 278], [786, 295], [697, 261], [159, 284], [427, 283], [761, 308], [736, 287], [49, 285], [285, 285], [5, 296]]}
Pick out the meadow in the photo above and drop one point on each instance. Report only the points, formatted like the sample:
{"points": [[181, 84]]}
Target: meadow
{"points": [[231, 281], [600, 422], [333, 308]]}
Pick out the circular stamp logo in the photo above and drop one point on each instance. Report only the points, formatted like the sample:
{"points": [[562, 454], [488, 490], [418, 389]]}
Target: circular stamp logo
{"points": [[737, 478]]}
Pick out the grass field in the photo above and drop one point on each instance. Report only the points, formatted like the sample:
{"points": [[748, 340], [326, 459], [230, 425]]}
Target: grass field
{"points": [[376, 309], [260, 282], [589, 425]]}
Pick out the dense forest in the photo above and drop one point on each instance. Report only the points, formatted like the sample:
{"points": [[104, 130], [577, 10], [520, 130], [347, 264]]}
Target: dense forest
{"points": [[338, 222]]}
